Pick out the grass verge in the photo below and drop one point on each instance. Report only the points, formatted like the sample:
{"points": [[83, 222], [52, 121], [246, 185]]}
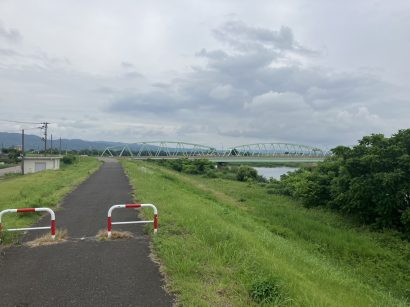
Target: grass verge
{"points": [[226, 243], [43, 189]]}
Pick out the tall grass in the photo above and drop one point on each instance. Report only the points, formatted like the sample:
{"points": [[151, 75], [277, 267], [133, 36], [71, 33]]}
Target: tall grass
{"points": [[43, 189], [226, 243]]}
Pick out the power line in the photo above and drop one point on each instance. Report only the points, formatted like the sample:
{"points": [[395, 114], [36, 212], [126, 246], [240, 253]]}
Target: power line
{"points": [[19, 122], [19, 130], [44, 125]]}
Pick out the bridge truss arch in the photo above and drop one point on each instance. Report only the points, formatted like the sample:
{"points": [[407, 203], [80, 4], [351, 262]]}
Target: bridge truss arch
{"points": [[162, 149], [277, 150], [174, 150]]}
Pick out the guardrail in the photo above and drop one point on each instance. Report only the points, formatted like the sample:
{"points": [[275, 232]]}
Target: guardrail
{"points": [[110, 222], [22, 210]]}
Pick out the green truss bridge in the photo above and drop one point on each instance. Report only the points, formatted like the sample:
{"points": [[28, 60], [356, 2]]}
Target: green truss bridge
{"points": [[258, 152]]}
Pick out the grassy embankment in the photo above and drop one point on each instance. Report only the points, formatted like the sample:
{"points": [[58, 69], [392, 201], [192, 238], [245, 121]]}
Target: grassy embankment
{"points": [[43, 189], [227, 243]]}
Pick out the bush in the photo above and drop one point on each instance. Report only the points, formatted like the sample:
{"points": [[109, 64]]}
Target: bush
{"points": [[176, 165], [211, 174], [189, 169], [245, 173], [69, 159], [370, 181], [405, 219], [194, 167], [13, 155]]}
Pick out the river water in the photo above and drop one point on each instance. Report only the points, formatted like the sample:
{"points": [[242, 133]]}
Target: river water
{"points": [[274, 172]]}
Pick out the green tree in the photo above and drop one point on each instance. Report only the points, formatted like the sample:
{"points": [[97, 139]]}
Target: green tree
{"points": [[370, 181]]}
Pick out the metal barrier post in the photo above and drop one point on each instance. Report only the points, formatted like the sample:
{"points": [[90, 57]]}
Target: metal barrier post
{"points": [[110, 222], [52, 214]]}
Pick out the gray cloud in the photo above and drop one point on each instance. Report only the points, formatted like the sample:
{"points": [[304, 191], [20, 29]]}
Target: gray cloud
{"points": [[133, 75], [154, 102], [244, 38], [126, 64], [277, 72], [289, 101], [10, 35], [9, 52], [130, 71]]}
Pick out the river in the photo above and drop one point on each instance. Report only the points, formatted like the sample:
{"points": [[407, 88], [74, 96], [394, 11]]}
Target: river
{"points": [[274, 172]]}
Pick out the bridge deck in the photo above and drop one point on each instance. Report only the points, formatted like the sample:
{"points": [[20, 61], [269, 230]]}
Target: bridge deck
{"points": [[243, 159]]}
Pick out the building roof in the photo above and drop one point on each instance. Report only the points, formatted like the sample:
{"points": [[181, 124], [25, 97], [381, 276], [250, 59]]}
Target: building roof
{"points": [[44, 158]]}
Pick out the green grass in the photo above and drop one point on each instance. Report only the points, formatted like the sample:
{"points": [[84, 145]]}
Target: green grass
{"points": [[227, 243], [43, 189]]}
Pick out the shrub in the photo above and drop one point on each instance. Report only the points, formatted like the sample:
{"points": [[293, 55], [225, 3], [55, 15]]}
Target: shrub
{"points": [[405, 219], [69, 159], [370, 181], [199, 166], [189, 169], [245, 173], [211, 174], [176, 165]]}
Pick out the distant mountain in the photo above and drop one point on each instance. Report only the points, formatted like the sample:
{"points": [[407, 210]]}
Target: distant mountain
{"points": [[33, 142]]}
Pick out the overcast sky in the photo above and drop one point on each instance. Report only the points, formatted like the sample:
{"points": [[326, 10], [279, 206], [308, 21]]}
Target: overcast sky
{"points": [[210, 72]]}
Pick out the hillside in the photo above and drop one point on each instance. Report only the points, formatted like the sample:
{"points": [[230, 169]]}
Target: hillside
{"points": [[33, 142]]}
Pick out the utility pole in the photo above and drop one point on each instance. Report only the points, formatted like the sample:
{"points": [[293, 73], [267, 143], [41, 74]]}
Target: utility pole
{"points": [[51, 145], [59, 152], [45, 127], [22, 152]]}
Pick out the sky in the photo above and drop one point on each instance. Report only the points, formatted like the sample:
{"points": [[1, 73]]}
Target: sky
{"points": [[220, 73]]}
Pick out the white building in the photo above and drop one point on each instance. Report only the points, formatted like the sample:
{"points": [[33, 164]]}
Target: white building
{"points": [[38, 164]]}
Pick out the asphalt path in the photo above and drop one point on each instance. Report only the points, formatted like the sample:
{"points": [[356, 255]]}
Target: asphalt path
{"points": [[84, 271], [10, 170]]}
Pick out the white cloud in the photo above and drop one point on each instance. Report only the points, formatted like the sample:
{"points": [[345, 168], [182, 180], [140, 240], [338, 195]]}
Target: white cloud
{"points": [[274, 101]]}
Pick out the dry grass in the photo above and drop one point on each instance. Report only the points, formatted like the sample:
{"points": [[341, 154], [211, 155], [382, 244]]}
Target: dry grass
{"points": [[61, 236], [102, 235]]}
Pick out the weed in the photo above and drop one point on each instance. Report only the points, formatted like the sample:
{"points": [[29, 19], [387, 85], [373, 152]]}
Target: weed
{"points": [[102, 235], [61, 236], [9, 237], [267, 291]]}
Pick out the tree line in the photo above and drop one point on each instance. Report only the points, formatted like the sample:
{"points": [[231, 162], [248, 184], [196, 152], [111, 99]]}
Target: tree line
{"points": [[369, 181]]}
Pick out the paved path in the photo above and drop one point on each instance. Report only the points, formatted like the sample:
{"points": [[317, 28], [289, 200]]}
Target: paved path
{"points": [[86, 272], [10, 170]]}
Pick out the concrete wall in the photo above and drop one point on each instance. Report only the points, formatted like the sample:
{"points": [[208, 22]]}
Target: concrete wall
{"points": [[32, 165]]}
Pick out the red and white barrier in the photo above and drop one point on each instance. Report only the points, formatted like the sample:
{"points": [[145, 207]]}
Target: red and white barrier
{"points": [[52, 214], [110, 223]]}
